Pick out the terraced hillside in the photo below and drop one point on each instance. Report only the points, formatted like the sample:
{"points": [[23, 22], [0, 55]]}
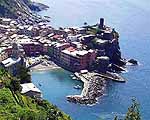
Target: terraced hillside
{"points": [[15, 106]]}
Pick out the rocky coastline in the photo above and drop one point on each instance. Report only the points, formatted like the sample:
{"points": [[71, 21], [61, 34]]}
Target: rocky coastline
{"points": [[94, 87], [100, 38]]}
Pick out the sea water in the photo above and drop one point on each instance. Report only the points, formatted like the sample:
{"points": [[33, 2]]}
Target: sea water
{"points": [[132, 20]]}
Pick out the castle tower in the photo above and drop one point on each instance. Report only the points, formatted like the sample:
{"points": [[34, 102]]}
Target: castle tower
{"points": [[101, 25]]}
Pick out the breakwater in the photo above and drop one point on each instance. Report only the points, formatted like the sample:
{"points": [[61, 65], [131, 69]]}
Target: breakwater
{"points": [[133, 43], [94, 86]]}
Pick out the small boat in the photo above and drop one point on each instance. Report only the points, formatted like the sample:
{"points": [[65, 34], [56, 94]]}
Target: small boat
{"points": [[71, 75], [77, 87], [74, 78]]}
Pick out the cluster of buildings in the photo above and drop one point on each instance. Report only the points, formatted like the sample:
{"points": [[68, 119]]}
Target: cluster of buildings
{"points": [[77, 59], [66, 46]]}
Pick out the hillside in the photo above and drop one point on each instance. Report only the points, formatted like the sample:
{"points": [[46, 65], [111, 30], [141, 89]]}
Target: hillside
{"points": [[26, 108], [15, 106], [15, 8]]}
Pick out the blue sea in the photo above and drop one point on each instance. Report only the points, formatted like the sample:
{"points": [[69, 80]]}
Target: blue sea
{"points": [[132, 20]]}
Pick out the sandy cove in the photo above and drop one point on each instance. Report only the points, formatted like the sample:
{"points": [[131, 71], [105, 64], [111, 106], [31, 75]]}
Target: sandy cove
{"points": [[41, 67]]}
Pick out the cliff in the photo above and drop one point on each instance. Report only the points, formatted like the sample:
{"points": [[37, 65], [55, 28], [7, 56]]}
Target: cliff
{"points": [[16, 8]]}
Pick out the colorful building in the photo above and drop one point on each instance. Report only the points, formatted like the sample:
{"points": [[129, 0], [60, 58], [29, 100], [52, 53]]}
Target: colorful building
{"points": [[31, 48], [57, 48], [77, 60]]}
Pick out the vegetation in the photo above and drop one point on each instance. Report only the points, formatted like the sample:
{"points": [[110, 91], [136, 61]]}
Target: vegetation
{"points": [[15, 106], [133, 112], [5, 78], [24, 75], [26, 108], [92, 30]]}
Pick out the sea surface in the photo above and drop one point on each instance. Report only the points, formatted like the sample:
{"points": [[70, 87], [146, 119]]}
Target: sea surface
{"points": [[132, 20]]}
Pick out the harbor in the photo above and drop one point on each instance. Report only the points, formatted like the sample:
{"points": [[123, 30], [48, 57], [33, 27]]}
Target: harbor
{"points": [[104, 83], [94, 86], [117, 96]]}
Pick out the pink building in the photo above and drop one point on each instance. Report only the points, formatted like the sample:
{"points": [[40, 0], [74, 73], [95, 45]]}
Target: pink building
{"points": [[77, 60]]}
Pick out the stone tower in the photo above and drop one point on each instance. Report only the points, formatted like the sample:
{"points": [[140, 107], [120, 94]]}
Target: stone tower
{"points": [[101, 25]]}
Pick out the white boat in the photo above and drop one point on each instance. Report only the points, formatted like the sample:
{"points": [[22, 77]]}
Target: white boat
{"points": [[71, 75], [77, 87], [74, 78]]}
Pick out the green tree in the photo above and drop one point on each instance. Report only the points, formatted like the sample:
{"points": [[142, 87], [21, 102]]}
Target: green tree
{"points": [[5, 77], [15, 84], [133, 112], [24, 74]]}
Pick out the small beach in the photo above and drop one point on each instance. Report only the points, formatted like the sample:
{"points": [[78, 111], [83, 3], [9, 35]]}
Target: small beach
{"points": [[129, 24], [41, 67], [41, 63], [45, 66]]}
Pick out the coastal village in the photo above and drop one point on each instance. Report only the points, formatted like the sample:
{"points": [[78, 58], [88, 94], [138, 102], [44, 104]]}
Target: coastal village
{"points": [[91, 52], [73, 73]]}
